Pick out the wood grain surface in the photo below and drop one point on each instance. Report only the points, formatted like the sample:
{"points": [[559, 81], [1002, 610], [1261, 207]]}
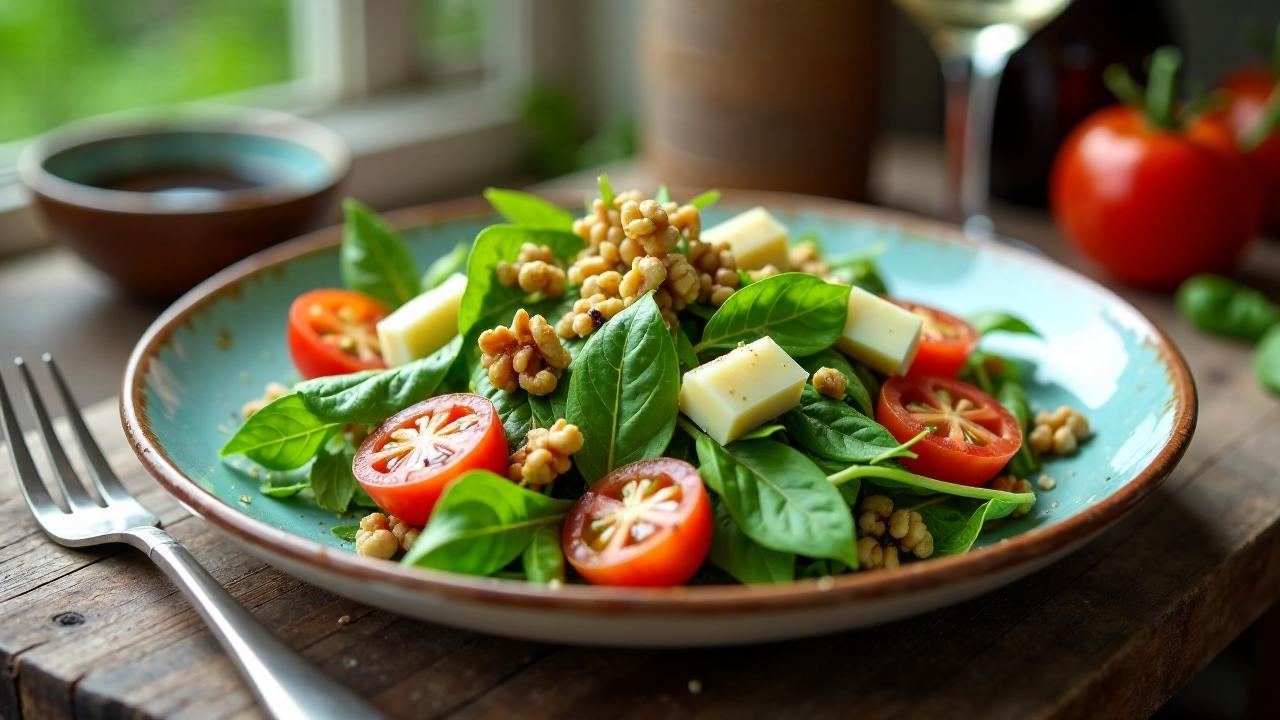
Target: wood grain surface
{"points": [[1110, 631]]}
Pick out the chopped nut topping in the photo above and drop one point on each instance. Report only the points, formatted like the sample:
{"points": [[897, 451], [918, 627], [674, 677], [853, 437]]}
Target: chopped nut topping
{"points": [[536, 270], [805, 257], [1059, 432], [883, 533], [545, 455], [830, 382], [762, 273], [526, 355], [717, 271], [382, 536], [272, 392], [1009, 483]]}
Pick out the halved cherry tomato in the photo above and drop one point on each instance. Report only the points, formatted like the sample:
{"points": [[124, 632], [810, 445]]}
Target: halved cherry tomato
{"points": [[333, 332], [644, 524], [971, 436], [406, 463], [946, 341]]}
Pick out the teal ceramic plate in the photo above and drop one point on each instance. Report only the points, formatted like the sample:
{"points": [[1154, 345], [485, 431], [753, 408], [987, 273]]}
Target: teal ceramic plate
{"points": [[218, 345]]}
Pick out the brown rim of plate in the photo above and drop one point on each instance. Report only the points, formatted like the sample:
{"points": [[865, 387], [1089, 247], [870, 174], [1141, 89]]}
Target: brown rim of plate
{"points": [[1018, 550]]}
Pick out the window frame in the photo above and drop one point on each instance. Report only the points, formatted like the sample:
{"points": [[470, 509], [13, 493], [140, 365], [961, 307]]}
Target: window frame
{"points": [[360, 74]]}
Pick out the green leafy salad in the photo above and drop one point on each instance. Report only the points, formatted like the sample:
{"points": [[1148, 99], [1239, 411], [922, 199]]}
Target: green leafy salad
{"points": [[629, 398]]}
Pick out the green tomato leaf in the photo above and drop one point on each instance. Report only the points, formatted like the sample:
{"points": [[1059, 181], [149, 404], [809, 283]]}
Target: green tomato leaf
{"points": [[481, 523], [524, 209], [622, 393], [281, 436], [485, 296], [374, 258], [1220, 306], [543, 560], [705, 199], [778, 497], [989, 322], [345, 533], [833, 430], [743, 558], [372, 396], [332, 481], [454, 261], [856, 392], [802, 313], [1266, 360]]}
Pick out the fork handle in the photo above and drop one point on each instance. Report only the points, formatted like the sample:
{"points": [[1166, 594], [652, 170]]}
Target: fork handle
{"points": [[288, 685]]}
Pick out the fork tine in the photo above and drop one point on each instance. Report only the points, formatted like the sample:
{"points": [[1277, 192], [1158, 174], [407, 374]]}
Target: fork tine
{"points": [[72, 490], [107, 482], [33, 489]]}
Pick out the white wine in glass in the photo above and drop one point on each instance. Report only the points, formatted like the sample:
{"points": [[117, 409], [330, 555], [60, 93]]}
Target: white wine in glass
{"points": [[974, 39]]}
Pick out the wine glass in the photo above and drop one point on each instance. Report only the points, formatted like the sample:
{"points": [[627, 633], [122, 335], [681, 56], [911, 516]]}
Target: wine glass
{"points": [[974, 39]]}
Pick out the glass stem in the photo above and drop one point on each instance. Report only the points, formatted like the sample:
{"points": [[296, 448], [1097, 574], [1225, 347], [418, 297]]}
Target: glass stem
{"points": [[972, 82]]}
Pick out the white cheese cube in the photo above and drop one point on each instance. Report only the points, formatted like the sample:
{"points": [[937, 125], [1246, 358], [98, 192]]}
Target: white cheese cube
{"points": [[879, 333], [740, 390], [422, 325], [755, 238]]}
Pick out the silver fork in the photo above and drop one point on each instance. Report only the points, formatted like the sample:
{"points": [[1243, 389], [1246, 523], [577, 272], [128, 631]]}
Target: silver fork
{"points": [[287, 685]]}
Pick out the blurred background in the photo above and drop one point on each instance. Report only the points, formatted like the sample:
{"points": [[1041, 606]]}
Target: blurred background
{"points": [[439, 98]]}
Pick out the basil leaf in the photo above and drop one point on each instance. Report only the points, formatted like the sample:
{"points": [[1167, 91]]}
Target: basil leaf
{"points": [[762, 432], [1220, 306], [524, 209], [371, 396], [606, 190], [622, 393], [281, 436], [955, 523], [514, 408], [543, 560], [1266, 360], [1011, 395], [485, 296], [451, 262], [894, 478], [374, 258], [833, 430], [860, 272], [855, 391], [684, 350], [481, 523], [802, 313], [332, 481], [705, 199], [744, 559], [778, 497], [345, 533], [663, 196], [283, 485], [989, 322]]}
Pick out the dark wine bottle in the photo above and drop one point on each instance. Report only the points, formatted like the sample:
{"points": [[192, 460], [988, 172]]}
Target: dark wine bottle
{"points": [[1055, 81]]}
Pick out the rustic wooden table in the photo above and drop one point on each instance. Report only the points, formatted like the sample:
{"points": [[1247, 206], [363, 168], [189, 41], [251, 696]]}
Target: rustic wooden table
{"points": [[1112, 630]]}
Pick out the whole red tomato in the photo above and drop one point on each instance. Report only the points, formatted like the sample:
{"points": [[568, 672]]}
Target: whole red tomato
{"points": [[1150, 204], [1248, 91]]}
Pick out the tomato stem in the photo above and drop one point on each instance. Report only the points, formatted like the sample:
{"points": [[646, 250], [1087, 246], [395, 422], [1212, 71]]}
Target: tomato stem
{"points": [[1162, 88]]}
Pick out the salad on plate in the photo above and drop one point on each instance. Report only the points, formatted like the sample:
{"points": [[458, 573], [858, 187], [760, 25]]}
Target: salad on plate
{"points": [[627, 398]]}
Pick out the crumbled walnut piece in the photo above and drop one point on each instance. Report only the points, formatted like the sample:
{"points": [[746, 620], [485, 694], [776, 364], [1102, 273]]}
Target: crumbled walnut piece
{"points": [[526, 355], [272, 392], [646, 275], [1059, 432], [685, 218], [830, 382], [1046, 483], [805, 257], [647, 223], [545, 455], [536, 270], [602, 225], [375, 539], [1009, 483], [717, 271], [884, 533], [762, 273], [682, 282]]}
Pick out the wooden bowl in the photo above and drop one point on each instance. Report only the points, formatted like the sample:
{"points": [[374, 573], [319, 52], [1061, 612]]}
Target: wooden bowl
{"points": [[160, 205]]}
